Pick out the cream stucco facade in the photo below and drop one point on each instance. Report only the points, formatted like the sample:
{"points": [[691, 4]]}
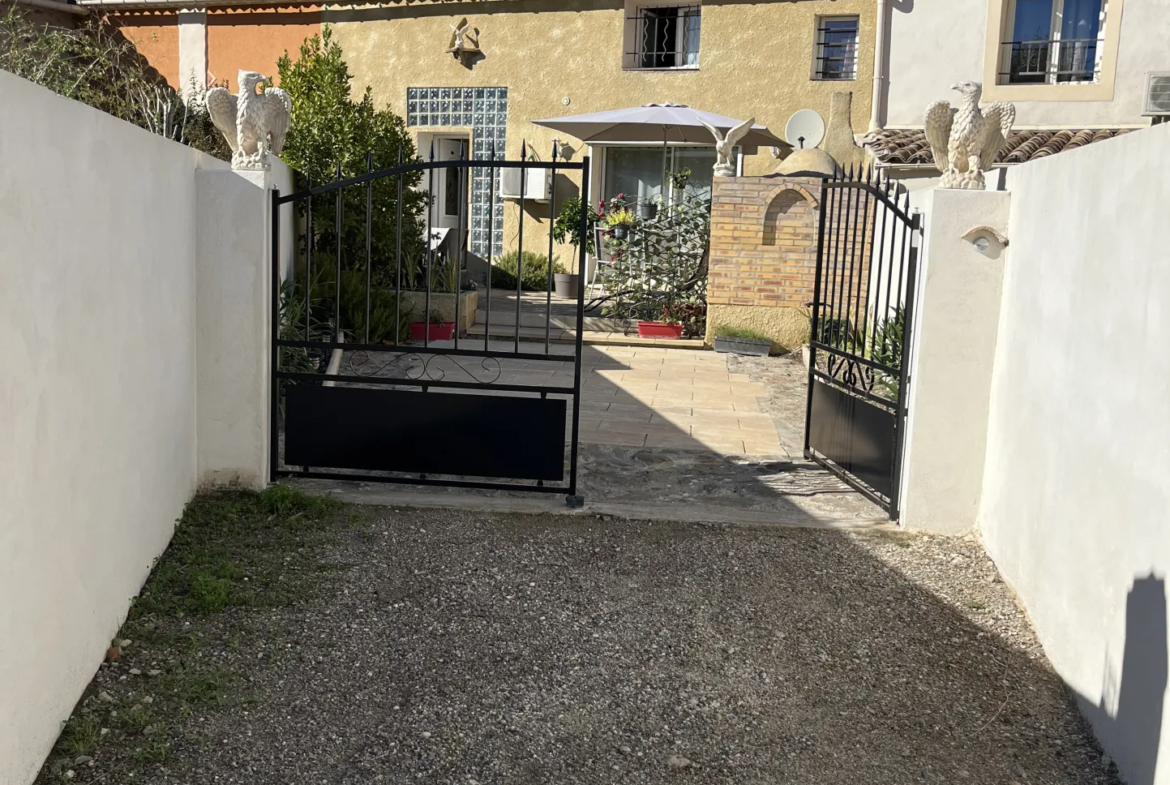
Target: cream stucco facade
{"points": [[934, 45], [756, 59]]}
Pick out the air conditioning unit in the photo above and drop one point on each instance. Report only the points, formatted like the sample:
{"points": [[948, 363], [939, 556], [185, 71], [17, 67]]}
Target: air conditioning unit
{"points": [[537, 189], [1157, 94]]}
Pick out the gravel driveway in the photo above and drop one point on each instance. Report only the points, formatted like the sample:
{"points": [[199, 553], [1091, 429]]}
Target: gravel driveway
{"points": [[470, 648]]}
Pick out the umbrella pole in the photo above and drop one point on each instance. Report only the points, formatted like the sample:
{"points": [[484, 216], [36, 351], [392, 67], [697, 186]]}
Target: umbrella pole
{"points": [[665, 185]]}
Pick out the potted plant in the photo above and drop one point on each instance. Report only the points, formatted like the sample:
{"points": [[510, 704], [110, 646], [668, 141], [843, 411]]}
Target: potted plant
{"points": [[567, 228], [619, 222], [434, 329], [739, 340], [669, 327]]}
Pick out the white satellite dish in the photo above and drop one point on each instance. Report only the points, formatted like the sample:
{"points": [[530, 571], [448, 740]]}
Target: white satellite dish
{"points": [[805, 129]]}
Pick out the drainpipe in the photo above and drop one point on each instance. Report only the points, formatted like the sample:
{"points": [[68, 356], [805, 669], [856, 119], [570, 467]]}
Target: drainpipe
{"points": [[55, 5], [877, 118]]}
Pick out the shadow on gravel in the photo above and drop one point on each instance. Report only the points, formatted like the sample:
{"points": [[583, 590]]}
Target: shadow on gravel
{"points": [[462, 648]]}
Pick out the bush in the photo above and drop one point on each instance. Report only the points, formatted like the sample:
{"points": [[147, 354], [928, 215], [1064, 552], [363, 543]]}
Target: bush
{"points": [[329, 130], [534, 271], [96, 65]]}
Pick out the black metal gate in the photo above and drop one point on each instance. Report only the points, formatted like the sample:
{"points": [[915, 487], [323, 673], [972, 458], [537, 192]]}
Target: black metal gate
{"points": [[363, 390], [862, 313]]}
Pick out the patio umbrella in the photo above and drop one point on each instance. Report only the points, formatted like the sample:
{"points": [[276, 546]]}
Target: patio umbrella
{"points": [[656, 123]]}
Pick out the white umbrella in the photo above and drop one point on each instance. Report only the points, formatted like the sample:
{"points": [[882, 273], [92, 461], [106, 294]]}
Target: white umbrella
{"points": [[656, 123]]}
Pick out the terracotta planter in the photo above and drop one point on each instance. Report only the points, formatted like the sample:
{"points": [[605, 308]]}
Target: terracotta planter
{"points": [[659, 330], [439, 331]]}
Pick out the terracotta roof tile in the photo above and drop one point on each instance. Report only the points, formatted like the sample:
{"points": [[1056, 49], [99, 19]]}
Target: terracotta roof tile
{"points": [[909, 146]]}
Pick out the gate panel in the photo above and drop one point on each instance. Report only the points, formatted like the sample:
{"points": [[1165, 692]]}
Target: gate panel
{"points": [[862, 313], [436, 433], [361, 392]]}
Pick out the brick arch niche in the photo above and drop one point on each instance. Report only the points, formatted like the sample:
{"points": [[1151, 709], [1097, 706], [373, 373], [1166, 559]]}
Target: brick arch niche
{"points": [[790, 215]]}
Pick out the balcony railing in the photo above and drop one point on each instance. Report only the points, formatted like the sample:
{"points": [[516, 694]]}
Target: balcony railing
{"points": [[1056, 61]]}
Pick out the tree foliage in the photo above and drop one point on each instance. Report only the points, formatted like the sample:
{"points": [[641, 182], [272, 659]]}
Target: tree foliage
{"points": [[331, 131], [96, 65]]}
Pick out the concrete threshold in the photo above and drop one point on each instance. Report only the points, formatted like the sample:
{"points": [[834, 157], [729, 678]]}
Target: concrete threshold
{"points": [[383, 496]]}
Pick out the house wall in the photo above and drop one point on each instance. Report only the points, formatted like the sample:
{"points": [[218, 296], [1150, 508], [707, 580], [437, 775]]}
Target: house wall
{"points": [[1076, 493], [156, 37], [106, 288], [755, 59], [934, 45], [254, 39]]}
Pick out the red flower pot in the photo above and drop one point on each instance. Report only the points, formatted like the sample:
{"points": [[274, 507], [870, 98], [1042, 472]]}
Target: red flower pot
{"points": [[441, 331], [659, 330]]}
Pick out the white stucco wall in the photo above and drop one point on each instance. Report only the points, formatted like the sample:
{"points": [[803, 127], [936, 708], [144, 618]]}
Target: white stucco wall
{"points": [[1076, 498], [955, 325], [934, 44], [100, 307]]}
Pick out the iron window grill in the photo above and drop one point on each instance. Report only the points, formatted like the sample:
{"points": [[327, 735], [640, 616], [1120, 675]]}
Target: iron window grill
{"points": [[1053, 61], [666, 37], [836, 48], [485, 110]]}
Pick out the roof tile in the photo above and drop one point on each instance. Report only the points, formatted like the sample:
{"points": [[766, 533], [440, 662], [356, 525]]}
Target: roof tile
{"points": [[909, 145]]}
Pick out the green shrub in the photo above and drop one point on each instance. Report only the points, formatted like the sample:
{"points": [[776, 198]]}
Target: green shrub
{"points": [[329, 129], [533, 270]]}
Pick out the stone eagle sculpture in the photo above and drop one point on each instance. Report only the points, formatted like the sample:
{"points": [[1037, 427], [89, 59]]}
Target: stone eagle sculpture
{"points": [[725, 146], [253, 123], [965, 140]]}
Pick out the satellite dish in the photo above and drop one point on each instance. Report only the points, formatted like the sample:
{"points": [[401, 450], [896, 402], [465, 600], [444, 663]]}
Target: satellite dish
{"points": [[805, 129]]}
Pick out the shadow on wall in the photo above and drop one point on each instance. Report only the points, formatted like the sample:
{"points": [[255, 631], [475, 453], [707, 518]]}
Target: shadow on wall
{"points": [[1134, 730]]}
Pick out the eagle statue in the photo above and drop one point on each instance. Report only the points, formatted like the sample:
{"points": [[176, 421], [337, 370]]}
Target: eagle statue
{"points": [[725, 146], [254, 123], [966, 140]]}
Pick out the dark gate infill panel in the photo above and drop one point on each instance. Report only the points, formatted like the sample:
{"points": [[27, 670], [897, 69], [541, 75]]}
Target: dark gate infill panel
{"points": [[365, 429], [857, 437]]}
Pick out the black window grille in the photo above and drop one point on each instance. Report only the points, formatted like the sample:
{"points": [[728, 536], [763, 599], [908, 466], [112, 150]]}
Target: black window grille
{"points": [[666, 37], [836, 48], [1048, 62]]}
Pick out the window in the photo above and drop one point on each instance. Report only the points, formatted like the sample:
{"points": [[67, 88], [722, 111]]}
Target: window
{"points": [[636, 173], [1052, 42], [663, 36], [836, 48]]}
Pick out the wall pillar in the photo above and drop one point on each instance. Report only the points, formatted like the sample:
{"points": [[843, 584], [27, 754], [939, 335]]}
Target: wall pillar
{"points": [[192, 52], [233, 327], [763, 255], [960, 281]]}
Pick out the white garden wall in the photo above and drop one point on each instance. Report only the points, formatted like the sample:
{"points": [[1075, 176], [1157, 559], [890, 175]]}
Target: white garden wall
{"points": [[1076, 497], [100, 309]]}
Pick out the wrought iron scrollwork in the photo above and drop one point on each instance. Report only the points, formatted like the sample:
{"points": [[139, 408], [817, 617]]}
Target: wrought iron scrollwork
{"points": [[416, 365], [425, 370], [850, 373]]}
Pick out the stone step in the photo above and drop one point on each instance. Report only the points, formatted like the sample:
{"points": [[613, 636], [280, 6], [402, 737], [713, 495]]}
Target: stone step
{"points": [[596, 337], [507, 316]]}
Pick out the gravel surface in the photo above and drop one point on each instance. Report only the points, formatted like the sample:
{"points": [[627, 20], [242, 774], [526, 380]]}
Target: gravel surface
{"points": [[471, 648]]}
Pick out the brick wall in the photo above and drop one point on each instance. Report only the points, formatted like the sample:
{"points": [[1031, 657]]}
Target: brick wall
{"points": [[763, 241]]}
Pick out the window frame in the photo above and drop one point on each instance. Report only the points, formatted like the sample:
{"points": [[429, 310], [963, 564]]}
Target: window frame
{"points": [[1055, 44], [632, 51], [1000, 13], [819, 47]]}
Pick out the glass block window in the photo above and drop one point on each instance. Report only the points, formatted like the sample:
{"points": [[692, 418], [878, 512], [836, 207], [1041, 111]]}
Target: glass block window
{"points": [[485, 110]]}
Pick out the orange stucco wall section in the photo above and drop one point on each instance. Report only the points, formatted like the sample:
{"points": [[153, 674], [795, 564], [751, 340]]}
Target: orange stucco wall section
{"points": [[255, 40], [156, 36]]}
